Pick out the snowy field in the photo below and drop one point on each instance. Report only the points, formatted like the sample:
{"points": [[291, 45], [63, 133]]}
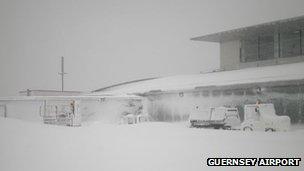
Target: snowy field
{"points": [[30, 146]]}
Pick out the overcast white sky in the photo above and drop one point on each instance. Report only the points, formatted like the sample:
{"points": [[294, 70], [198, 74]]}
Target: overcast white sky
{"points": [[110, 41]]}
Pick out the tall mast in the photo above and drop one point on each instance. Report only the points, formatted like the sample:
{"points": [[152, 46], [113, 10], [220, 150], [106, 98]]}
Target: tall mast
{"points": [[62, 73]]}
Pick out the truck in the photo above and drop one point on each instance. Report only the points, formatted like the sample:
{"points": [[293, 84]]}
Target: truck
{"points": [[257, 117], [216, 117], [263, 117]]}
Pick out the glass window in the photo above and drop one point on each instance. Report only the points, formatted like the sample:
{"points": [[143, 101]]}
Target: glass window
{"points": [[227, 92], [238, 92], [249, 50], [216, 93], [196, 93], [259, 48], [249, 92], [290, 44], [266, 47], [205, 93]]}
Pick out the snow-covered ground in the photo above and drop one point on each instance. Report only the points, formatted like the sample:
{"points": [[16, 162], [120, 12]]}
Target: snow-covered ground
{"points": [[30, 146]]}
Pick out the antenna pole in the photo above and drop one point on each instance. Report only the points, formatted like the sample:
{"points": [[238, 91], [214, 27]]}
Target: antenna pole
{"points": [[62, 73]]}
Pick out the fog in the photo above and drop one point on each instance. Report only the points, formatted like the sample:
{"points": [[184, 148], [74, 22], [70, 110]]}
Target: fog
{"points": [[106, 42]]}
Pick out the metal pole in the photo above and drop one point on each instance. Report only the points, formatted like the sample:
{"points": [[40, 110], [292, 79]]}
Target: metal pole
{"points": [[300, 99], [258, 56], [62, 73], [5, 111], [301, 50], [258, 48], [279, 37]]}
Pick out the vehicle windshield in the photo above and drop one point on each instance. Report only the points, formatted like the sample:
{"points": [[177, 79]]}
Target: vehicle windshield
{"points": [[267, 110], [231, 112], [251, 113]]}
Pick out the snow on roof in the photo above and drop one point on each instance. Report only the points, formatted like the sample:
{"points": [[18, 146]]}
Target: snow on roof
{"points": [[121, 84], [286, 72], [29, 92], [81, 97], [294, 23]]}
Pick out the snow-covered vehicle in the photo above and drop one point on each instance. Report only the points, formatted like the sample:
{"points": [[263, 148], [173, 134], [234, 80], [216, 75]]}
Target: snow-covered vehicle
{"points": [[263, 117], [134, 119], [128, 119], [219, 117], [142, 118]]}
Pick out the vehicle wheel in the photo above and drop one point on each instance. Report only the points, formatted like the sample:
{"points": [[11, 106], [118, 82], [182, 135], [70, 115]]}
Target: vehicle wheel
{"points": [[269, 130], [227, 127], [247, 128], [217, 127]]}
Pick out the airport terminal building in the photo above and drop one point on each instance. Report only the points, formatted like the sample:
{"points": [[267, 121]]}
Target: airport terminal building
{"points": [[263, 62], [268, 44]]}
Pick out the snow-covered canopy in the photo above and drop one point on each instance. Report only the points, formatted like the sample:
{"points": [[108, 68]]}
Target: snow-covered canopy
{"points": [[286, 72], [295, 23], [80, 97]]}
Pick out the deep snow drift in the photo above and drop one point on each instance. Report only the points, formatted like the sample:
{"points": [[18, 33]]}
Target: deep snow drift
{"points": [[30, 146]]}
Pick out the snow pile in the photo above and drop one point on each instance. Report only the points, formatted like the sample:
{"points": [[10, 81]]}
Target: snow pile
{"points": [[148, 146], [284, 72]]}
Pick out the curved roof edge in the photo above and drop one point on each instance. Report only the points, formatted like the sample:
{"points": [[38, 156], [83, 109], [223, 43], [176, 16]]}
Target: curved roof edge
{"points": [[276, 74], [123, 83]]}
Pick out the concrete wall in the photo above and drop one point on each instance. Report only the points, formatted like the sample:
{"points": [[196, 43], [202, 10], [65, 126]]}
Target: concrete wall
{"points": [[230, 55]]}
